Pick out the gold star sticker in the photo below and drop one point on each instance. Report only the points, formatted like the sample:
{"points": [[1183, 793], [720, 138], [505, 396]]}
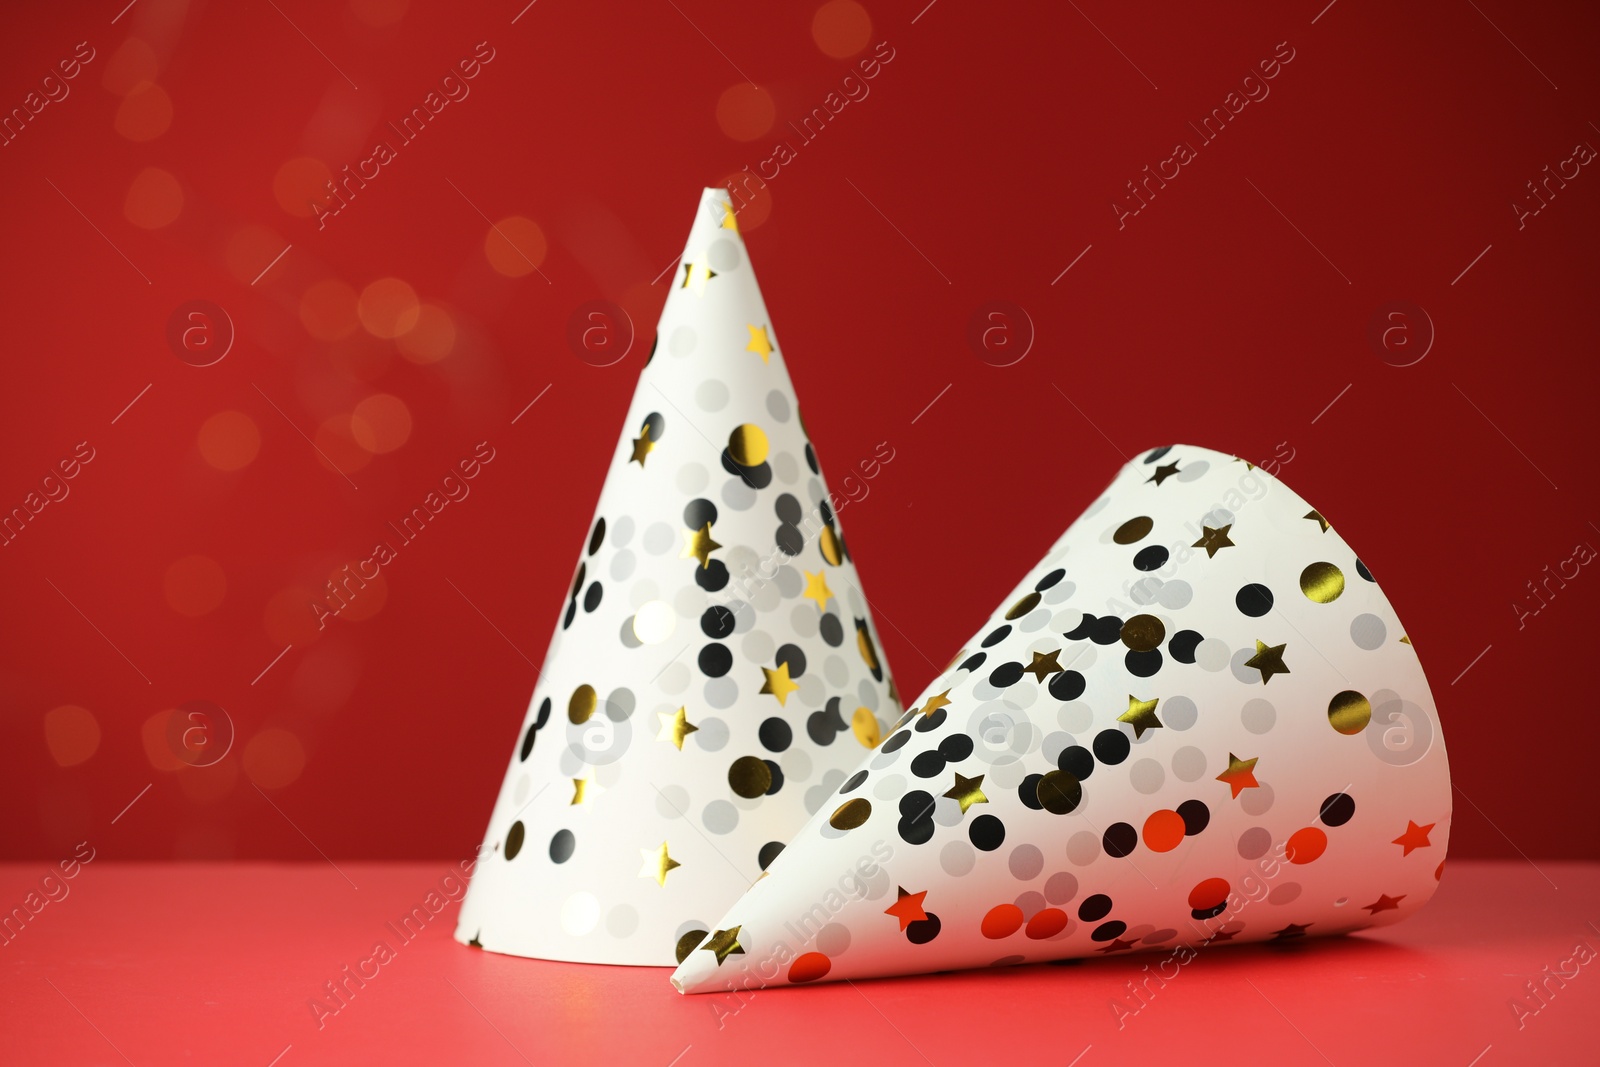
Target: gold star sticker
{"points": [[578, 786], [1316, 516], [1043, 667], [1163, 473], [699, 545], [1384, 903], [475, 943], [675, 726], [695, 276], [724, 943], [1141, 715], [817, 589], [760, 343], [642, 445], [935, 702], [1240, 775], [730, 221], [966, 792], [1268, 661], [1214, 541], [907, 907], [1247, 464], [657, 863], [778, 683]]}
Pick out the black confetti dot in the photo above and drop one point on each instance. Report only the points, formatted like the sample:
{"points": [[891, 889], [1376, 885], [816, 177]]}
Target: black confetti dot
{"points": [[544, 715], [718, 622], [777, 777], [758, 477], [916, 804], [995, 636], [1120, 839], [1111, 746], [1361, 569], [820, 728], [1076, 761], [916, 831], [1109, 931], [591, 599], [811, 459], [1183, 644], [768, 853], [1149, 559], [698, 512], [597, 538], [921, 931], [1049, 581], [775, 734], [897, 741], [715, 660], [1157, 454], [1254, 600], [987, 833], [930, 722], [1068, 685], [927, 765], [1094, 908], [712, 577], [788, 509], [1196, 816], [654, 426], [562, 846], [825, 512], [832, 630], [974, 661], [790, 541], [1084, 628], [527, 742], [852, 783], [1107, 630], [578, 579], [1142, 664], [956, 747], [795, 658], [1210, 913], [1028, 791], [514, 838], [572, 610], [1007, 674], [1338, 809]]}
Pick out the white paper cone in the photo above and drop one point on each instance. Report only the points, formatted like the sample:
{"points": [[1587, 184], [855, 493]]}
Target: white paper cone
{"points": [[715, 672], [1197, 720]]}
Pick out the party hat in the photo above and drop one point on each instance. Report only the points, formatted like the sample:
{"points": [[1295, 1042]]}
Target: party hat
{"points": [[715, 671], [1197, 720]]}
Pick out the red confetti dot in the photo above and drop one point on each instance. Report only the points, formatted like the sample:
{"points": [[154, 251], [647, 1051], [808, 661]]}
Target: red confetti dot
{"points": [[1208, 894], [1047, 923], [809, 967], [1439, 871], [1003, 920], [1164, 830], [1305, 845]]}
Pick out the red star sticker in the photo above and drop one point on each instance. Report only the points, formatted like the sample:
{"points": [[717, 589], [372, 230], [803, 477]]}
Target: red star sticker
{"points": [[907, 907], [1119, 945], [1221, 935], [1384, 903], [1414, 837], [1292, 930]]}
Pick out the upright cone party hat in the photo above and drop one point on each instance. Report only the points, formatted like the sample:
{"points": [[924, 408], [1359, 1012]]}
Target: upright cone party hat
{"points": [[715, 672], [1197, 720]]}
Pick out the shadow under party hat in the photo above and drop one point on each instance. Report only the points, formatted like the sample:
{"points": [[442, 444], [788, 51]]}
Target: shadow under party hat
{"points": [[715, 671], [1197, 720]]}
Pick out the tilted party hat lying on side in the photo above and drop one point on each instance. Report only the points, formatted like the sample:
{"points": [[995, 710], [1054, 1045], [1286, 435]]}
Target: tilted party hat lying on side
{"points": [[1196, 720], [715, 672]]}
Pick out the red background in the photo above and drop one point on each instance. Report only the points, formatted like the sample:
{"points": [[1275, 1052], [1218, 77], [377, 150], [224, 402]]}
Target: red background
{"points": [[994, 142]]}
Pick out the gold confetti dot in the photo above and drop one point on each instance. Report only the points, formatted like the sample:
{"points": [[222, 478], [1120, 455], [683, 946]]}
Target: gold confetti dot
{"points": [[1059, 792], [1322, 582], [1133, 530], [582, 705], [749, 776], [1142, 633], [864, 725], [747, 444], [689, 942], [850, 814], [828, 542], [1349, 712], [1023, 606]]}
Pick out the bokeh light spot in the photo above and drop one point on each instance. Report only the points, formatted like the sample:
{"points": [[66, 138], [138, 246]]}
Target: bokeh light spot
{"points": [[515, 246], [71, 733], [249, 250], [144, 114], [841, 28], [752, 199], [133, 66], [745, 111], [379, 13], [300, 183], [388, 308], [358, 596], [229, 440], [155, 736], [274, 758], [289, 619], [154, 200], [431, 339], [328, 310], [337, 444], [381, 423], [195, 585]]}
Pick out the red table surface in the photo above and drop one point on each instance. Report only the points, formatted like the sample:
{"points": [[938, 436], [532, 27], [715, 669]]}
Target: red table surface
{"points": [[218, 963]]}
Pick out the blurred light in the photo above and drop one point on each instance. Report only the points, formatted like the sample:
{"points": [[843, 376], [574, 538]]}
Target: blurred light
{"points": [[207, 785], [379, 13], [653, 623], [71, 733], [515, 246], [132, 67], [288, 617], [274, 758], [335, 441], [195, 585], [154, 199], [380, 423], [155, 736], [841, 28], [328, 310], [745, 111], [299, 183], [752, 198], [359, 357], [144, 114], [431, 339], [388, 307], [358, 597], [250, 249], [229, 440]]}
